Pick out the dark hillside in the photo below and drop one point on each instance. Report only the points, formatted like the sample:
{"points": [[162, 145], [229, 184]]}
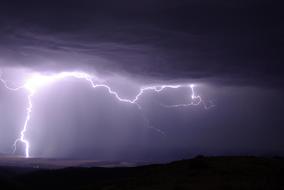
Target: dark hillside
{"points": [[198, 173]]}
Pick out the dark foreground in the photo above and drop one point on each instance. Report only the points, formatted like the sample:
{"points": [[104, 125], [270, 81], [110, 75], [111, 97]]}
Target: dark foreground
{"points": [[198, 173]]}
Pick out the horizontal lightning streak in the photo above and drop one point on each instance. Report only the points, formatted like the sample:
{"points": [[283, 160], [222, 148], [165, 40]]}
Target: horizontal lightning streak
{"points": [[38, 80]]}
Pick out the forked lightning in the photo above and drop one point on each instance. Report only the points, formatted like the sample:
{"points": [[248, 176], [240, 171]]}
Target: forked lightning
{"points": [[36, 81]]}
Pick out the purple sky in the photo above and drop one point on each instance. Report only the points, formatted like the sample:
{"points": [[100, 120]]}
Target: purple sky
{"points": [[232, 49]]}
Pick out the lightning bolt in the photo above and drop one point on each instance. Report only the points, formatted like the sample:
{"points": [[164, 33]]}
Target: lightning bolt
{"points": [[195, 100], [36, 81]]}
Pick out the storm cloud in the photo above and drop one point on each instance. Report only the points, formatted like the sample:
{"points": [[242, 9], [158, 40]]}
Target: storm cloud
{"points": [[232, 50], [232, 42]]}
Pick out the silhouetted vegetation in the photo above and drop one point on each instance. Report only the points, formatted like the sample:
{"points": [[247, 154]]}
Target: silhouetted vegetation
{"points": [[198, 173]]}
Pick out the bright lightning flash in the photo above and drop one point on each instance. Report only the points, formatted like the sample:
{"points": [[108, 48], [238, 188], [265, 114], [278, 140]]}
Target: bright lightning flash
{"points": [[36, 81]]}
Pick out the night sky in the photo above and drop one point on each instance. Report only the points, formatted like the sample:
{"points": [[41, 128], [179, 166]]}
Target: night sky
{"points": [[231, 50]]}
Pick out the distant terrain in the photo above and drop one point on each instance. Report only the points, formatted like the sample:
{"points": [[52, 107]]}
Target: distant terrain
{"points": [[230, 173], [51, 163]]}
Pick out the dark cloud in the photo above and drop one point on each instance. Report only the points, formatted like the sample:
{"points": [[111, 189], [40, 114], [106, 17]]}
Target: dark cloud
{"points": [[232, 49], [232, 42]]}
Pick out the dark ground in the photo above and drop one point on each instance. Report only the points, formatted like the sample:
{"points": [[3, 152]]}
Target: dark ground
{"points": [[198, 173]]}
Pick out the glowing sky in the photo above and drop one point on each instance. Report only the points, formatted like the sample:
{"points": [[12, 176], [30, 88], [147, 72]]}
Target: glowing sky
{"points": [[231, 51], [37, 81]]}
